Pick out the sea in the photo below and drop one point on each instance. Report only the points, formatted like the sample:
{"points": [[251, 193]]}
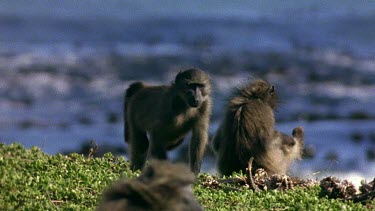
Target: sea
{"points": [[64, 66]]}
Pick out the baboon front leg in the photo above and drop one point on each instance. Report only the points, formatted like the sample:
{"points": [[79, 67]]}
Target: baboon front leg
{"points": [[138, 149], [198, 144]]}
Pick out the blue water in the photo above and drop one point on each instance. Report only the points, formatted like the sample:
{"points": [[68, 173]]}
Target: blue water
{"points": [[243, 25], [65, 64]]}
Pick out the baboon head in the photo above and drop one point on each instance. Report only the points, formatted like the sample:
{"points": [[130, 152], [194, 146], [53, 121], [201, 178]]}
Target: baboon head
{"points": [[264, 91], [193, 86], [161, 186]]}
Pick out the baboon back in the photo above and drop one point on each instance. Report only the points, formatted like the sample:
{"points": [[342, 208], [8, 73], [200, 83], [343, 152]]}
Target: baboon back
{"points": [[245, 135], [130, 91], [157, 118], [248, 131]]}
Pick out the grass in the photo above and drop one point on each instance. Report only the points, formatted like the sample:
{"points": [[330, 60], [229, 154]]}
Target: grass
{"points": [[33, 180]]}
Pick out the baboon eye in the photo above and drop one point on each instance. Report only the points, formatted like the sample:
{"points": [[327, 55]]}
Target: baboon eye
{"points": [[192, 86], [200, 85], [195, 85]]}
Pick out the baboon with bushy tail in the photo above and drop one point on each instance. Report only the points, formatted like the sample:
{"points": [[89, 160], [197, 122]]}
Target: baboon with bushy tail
{"points": [[157, 118], [161, 186], [248, 130]]}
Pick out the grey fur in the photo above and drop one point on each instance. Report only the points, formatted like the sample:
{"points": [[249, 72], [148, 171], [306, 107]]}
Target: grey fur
{"points": [[157, 118], [248, 130], [161, 186]]}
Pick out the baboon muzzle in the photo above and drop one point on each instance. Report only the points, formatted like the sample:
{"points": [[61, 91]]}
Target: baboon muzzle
{"points": [[194, 103], [195, 99]]}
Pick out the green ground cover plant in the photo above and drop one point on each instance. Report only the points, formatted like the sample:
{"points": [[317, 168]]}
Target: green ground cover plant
{"points": [[33, 180]]}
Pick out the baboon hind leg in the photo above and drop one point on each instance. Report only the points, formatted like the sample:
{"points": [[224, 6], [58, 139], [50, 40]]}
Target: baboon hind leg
{"points": [[228, 162], [158, 148], [138, 149]]}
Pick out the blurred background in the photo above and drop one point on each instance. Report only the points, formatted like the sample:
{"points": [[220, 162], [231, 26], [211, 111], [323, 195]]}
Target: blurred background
{"points": [[64, 66]]}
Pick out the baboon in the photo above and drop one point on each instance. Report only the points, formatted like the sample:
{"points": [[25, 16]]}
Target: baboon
{"points": [[157, 118], [248, 130], [161, 186]]}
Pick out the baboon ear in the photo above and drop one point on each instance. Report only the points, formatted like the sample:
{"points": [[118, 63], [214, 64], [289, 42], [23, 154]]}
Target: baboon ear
{"points": [[271, 90]]}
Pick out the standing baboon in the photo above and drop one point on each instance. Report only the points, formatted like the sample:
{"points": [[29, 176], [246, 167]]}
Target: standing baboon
{"points": [[157, 118], [248, 130], [161, 186]]}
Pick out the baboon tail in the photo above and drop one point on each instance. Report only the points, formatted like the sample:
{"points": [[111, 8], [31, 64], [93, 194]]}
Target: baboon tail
{"points": [[241, 133], [215, 144], [130, 91], [134, 88]]}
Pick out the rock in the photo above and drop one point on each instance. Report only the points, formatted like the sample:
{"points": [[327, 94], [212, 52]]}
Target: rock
{"points": [[357, 137], [331, 156], [370, 154], [334, 188], [112, 117]]}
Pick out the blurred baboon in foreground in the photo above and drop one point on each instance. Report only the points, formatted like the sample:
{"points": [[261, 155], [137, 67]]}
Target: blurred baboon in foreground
{"points": [[248, 130], [161, 186], [166, 114]]}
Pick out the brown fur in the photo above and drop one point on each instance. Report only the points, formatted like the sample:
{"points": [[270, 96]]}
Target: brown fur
{"points": [[166, 114], [161, 186], [248, 130]]}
